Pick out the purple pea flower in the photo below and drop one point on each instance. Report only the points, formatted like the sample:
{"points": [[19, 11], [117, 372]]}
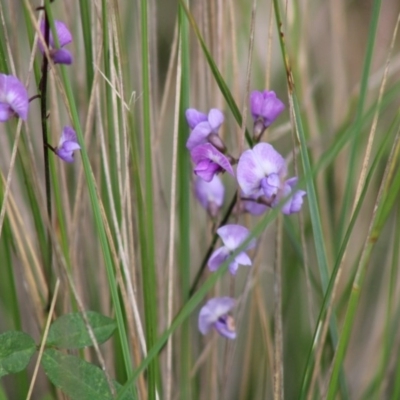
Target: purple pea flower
{"points": [[59, 56], [210, 194], [265, 108], [13, 98], [67, 145], [214, 314], [209, 161], [204, 128], [261, 171], [232, 236]]}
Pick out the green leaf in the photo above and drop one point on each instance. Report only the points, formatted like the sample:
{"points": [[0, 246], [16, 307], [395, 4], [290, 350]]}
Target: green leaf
{"points": [[77, 378], [70, 331], [16, 350]]}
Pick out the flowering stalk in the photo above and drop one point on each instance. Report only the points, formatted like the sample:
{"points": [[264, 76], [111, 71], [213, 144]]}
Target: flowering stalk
{"points": [[43, 114]]}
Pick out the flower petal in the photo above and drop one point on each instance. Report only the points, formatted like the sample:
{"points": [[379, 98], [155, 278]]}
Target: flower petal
{"points": [[194, 117], [198, 135], [225, 326], [68, 135], [214, 309], [270, 186], [64, 35], [5, 112], [13, 93], [209, 192], [217, 258], [256, 102], [249, 173], [208, 152], [215, 119], [270, 160], [206, 169], [233, 236], [271, 107], [62, 56]]}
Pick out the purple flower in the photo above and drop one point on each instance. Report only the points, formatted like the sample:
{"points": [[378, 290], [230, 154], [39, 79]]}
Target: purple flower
{"points": [[214, 314], [209, 161], [261, 173], [265, 108], [13, 98], [67, 145], [232, 237], [59, 56], [204, 128], [210, 194]]}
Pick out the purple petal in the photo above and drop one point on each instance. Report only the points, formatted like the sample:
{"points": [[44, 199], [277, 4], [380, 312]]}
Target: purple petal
{"points": [[208, 193], [65, 155], [218, 258], [293, 205], [271, 107], [225, 326], [194, 117], [212, 311], [64, 35], [206, 170], [62, 56], [256, 102], [13, 93], [270, 160], [68, 134], [233, 236], [198, 135], [67, 145], [240, 259], [209, 152], [249, 173], [5, 112], [270, 186], [215, 119]]}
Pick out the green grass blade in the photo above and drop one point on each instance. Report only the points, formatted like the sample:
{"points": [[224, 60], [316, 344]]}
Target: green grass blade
{"points": [[149, 271]]}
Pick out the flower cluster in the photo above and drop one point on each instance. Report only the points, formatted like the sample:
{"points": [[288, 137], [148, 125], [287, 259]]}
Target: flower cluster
{"points": [[14, 100], [262, 177]]}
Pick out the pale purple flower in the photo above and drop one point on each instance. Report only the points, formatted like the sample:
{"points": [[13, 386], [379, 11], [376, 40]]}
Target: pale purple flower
{"points": [[59, 56], [209, 161], [265, 107], [215, 314], [204, 128], [232, 237], [67, 145], [210, 194], [261, 172], [13, 98]]}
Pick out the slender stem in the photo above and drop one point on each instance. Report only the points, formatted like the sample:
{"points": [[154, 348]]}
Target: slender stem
{"points": [[43, 113]]}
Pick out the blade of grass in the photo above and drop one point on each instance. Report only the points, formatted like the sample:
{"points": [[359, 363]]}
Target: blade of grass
{"points": [[184, 176], [149, 271], [355, 144]]}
